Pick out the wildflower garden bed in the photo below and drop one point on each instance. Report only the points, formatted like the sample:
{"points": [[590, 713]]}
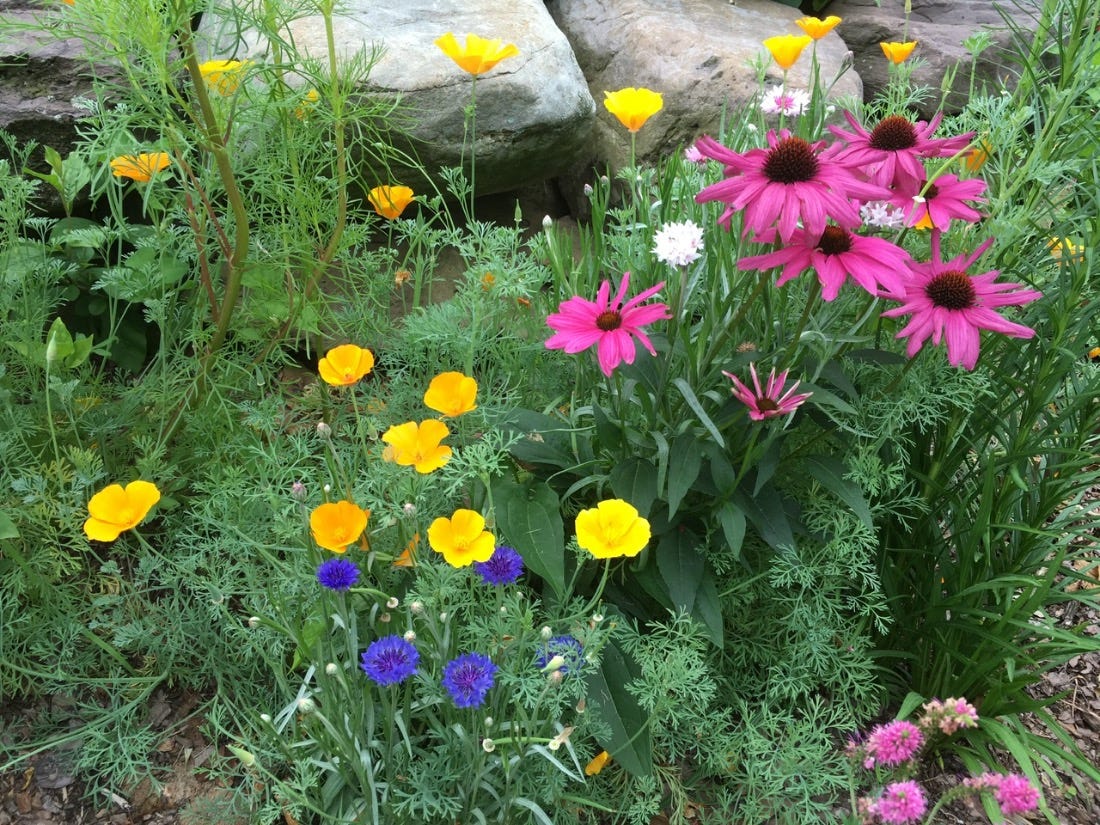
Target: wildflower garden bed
{"points": [[765, 494]]}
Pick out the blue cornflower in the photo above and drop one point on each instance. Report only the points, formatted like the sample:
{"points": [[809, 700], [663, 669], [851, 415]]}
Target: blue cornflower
{"points": [[468, 678], [569, 648], [505, 566], [389, 660], [337, 573]]}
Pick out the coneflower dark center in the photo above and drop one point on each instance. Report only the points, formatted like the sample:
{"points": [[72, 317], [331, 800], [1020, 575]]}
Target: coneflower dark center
{"points": [[791, 160], [765, 404], [932, 192], [835, 240], [951, 290], [895, 132], [609, 320]]}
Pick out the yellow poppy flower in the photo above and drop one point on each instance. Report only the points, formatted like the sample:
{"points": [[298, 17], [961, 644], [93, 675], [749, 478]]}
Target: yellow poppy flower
{"points": [[223, 76], [633, 107], [335, 525], [612, 528], [417, 445], [345, 365], [478, 55], [817, 28], [597, 764], [406, 557], [390, 201], [898, 52], [462, 538], [309, 100], [786, 48], [1060, 247], [114, 510], [451, 394], [140, 168]]}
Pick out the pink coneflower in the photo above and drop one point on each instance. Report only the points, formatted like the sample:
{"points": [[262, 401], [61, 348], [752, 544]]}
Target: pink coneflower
{"points": [[894, 743], [580, 323], [890, 153], [943, 200], [900, 803], [947, 302], [770, 401], [876, 264], [788, 182], [693, 155]]}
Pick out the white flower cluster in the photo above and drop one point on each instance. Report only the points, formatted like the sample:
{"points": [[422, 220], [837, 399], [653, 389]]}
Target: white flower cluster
{"points": [[882, 214], [780, 101], [678, 244]]}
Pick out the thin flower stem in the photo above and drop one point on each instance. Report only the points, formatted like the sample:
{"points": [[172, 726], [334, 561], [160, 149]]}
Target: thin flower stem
{"points": [[811, 301]]}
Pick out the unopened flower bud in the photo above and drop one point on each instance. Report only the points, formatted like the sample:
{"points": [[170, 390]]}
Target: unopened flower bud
{"points": [[384, 618], [417, 607], [265, 718], [410, 636], [323, 429], [554, 664], [392, 602], [443, 616], [488, 721], [546, 632], [306, 705], [555, 677], [253, 622], [327, 489], [298, 491], [588, 190], [547, 221], [332, 669], [409, 508]]}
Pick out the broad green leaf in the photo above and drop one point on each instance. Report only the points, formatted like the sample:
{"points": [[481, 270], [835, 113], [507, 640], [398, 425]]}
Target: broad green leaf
{"points": [[708, 609], [635, 482], [829, 472], [768, 516], [59, 343], [629, 740], [685, 460], [528, 517], [766, 466], [8, 530], [732, 520], [681, 567], [82, 348], [609, 434]]}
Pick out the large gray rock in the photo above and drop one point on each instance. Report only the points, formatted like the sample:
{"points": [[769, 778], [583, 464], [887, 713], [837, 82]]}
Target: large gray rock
{"points": [[697, 53], [534, 111], [939, 27]]}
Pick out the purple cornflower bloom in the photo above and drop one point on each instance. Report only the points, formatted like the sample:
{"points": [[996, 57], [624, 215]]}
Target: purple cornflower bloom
{"points": [[568, 647], [505, 566], [389, 660], [337, 574], [468, 678]]}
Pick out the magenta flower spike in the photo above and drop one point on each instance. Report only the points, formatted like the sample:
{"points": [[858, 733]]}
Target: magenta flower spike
{"points": [[611, 325], [790, 182], [946, 302], [769, 401]]}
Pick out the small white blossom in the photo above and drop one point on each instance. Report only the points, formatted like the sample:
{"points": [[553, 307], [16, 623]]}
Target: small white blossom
{"points": [[410, 636], [488, 745], [332, 669], [678, 244], [882, 214], [392, 602], [780, 101]]}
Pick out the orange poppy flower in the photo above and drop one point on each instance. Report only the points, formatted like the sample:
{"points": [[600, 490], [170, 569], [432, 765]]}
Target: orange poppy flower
{"points": [[478, 55], [418, 445], [114, 510], [898, 52], [597, 764], [451, 394], [390, 201], [345, 365], [335, 525], [140, 168], [817, 28]]}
